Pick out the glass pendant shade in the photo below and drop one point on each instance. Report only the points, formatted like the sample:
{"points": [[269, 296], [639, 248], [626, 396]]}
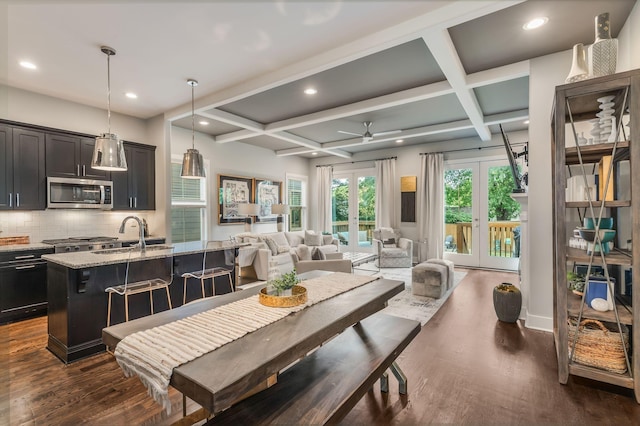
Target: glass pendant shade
{"points": [[192, 165], [108, 153]]}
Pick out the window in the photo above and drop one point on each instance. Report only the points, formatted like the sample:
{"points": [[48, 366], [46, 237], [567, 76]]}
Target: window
{"points": [[188, 207], [296, 199]]}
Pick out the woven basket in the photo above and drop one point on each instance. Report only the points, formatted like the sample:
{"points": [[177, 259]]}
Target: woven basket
{"points": [[599, 345]]}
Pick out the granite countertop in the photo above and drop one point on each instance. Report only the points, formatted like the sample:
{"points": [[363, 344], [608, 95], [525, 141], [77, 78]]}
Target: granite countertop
{"points": [[87, 259], [25, 247]]}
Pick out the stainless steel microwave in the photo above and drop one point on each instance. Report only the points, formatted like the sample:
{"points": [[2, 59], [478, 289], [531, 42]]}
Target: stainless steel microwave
{"points": [[70, 193]]}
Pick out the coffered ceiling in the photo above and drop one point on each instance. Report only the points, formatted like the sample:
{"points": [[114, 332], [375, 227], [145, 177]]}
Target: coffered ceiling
{"points": [[426, 70]]}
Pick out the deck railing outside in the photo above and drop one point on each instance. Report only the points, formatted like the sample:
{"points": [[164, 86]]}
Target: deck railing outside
{"points": [[503, 241]]}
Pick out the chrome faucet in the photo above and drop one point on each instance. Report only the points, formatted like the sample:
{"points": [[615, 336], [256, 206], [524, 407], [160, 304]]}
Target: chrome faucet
{"points": [[142, 243]]}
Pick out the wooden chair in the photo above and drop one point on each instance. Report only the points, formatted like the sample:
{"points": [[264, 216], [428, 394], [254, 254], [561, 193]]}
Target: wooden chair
{"points": [[208, 273], [129, 288]]}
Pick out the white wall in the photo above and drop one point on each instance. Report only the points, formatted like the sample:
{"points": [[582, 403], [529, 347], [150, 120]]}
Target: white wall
{"points": [[33, 108], [235, 159], [628, 51]]}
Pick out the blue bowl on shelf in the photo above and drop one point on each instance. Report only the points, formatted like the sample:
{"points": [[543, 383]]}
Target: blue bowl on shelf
{"points": [[605, 223]]}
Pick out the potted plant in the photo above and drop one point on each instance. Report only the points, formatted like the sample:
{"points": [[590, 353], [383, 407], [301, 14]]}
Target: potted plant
{"points": [[575, 282], [285, 283], [507, 302]]}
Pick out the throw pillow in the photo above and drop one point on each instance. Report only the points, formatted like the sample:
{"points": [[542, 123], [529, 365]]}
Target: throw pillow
{"points": [[272, 246], [387, 233], [327, 239], [312, 239], [318, 254], [303, 251], [391, 242]]}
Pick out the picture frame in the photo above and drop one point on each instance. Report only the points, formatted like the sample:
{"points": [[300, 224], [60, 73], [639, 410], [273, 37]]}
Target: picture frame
{"points": [[233, 190], [267, 192]]}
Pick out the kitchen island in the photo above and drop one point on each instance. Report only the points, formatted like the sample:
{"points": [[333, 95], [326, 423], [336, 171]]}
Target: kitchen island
{"points": [[76, 284]]}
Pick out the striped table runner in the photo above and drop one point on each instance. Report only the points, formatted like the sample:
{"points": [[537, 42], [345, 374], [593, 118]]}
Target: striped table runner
{"points": [[153, 354]]}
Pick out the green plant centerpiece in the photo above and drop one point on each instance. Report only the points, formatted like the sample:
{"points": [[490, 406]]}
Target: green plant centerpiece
{"points": [[285, 283], [283, 292]]}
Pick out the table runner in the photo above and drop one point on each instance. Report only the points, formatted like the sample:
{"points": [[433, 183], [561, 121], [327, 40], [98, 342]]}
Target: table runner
{"points": [[153, 354]]}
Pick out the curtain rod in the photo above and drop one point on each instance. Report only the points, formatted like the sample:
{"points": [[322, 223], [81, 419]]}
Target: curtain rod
{"points": [[473, 149], [358, 161]]}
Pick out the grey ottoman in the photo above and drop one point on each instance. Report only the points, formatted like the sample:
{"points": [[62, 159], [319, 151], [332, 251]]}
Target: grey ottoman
{"points": [[429, 280], [450, 270]]}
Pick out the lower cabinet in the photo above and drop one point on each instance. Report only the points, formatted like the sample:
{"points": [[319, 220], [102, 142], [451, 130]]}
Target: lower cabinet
{"points": [[23, 285]]}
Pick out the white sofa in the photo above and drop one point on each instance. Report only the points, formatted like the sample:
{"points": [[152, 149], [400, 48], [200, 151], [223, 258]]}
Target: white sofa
{"points": [[277, 246]]}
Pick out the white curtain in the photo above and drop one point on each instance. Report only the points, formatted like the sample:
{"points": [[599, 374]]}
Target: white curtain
{"points": [[324, 177], [386, 195], [430, 206]]}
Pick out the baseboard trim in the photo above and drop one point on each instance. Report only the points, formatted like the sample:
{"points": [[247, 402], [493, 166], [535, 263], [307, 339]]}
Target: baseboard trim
{"points": [[536, 322]]}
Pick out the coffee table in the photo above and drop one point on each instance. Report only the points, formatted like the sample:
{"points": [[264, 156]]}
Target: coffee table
{"points": [[358, 258]]}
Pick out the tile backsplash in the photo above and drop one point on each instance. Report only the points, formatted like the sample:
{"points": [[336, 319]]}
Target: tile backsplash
{"points": [[50, 224]]}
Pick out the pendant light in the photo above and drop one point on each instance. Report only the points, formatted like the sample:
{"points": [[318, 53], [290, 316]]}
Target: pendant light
{"points": [[192, 163], [108, 153]]}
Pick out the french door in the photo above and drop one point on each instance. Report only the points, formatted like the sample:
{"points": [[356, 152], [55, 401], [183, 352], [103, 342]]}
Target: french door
{"points": [[353, 197], [482, 227]]}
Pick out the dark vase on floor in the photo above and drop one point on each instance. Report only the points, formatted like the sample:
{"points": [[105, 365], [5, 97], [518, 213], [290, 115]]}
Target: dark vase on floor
{"points": [[507, 301]]}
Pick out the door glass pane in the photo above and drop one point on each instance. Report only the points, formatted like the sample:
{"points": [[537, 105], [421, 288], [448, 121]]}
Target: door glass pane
{"points": [[366, 209], [503, 214], [458, 187], [340, 209]]}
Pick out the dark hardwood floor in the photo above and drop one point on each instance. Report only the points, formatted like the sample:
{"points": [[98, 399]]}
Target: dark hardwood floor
{"points": [[465, 367]]}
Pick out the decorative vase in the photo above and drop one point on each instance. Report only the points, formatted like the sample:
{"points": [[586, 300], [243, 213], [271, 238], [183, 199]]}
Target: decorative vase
{"points": [[507, 302], [603, 52], [579, 70]]}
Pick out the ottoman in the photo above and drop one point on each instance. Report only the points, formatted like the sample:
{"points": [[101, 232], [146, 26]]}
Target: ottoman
{"points": [[429, 280], [450, 270]]}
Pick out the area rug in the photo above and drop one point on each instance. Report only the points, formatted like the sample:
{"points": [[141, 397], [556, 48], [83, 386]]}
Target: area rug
{"points": [[404, 304]]}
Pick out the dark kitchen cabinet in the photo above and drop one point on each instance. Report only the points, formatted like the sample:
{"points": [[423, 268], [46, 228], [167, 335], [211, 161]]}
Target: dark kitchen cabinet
{"points": [[70, 156], [23, 180], [23, 284], [135, 189]]}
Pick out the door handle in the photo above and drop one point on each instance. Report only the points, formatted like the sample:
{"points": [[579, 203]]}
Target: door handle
{"points": [[135, 202], [10, 199], [17, 199], [30, 256], [77, 169], [130, 202], [84, 171]]}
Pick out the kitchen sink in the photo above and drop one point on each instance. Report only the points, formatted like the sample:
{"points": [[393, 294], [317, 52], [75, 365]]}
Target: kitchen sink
{"points": [[131, 249]]}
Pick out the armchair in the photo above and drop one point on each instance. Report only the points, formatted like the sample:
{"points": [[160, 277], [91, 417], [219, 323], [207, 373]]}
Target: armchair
{"points": [[393, 251]]}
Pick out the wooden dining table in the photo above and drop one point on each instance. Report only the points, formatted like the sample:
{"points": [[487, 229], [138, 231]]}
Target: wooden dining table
{"points": [[221, 377]]}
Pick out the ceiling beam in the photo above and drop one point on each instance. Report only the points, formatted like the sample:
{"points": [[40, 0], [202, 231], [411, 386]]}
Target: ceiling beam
{"points": [[233, 119], [444, 52], [507, 117], [498, 75]]}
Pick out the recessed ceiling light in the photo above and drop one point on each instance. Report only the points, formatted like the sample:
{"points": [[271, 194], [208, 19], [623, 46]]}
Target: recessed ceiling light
{"points": [[535, 23], [28, 65], [526, 121], [131, 95], [399, 140], [204, 123], [314, 153], [310, 91]]}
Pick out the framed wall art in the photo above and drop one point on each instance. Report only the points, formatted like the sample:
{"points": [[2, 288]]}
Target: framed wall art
{"points": [[267, 193], [233, 190]]}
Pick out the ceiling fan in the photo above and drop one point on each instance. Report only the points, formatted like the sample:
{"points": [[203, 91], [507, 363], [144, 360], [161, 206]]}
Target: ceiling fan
{"points": [[368, 136]]}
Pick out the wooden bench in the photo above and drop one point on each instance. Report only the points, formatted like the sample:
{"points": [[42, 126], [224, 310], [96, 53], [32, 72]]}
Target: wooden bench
{"points": [[325, 385]]}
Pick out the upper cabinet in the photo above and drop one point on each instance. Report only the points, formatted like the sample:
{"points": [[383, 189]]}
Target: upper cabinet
{"points": [[595, 185], [135, 189], [23, 178], [70, 156]]}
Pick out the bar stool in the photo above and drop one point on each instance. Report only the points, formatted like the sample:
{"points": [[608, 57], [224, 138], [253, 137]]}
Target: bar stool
{"points": [[207, 273], [127, 289]]}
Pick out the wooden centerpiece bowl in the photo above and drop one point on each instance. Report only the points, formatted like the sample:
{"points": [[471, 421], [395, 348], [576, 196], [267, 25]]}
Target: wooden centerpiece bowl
{"points": [[298, 297]]}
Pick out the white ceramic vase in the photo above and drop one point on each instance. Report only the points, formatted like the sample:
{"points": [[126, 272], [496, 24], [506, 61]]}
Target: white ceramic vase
{"points": [[579, 70], [603, 53]]}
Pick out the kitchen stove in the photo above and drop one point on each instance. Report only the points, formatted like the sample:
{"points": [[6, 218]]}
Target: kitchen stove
{"points": [[73, 244]]}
